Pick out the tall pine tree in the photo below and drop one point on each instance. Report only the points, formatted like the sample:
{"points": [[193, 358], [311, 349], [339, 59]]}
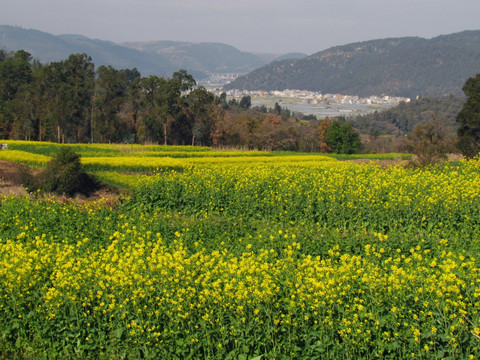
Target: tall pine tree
{"points": [[468, 119]]}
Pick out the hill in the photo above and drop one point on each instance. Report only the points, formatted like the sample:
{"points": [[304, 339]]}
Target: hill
{"points": [[47, 48], [200, 57], [150, 58], [407, 66], [400, 120]]}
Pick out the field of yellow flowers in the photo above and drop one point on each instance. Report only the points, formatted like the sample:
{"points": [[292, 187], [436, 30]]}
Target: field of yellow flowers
{"points": [[238, 255]]}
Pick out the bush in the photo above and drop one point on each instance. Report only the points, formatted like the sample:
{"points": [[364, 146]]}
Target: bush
{"points": [[429, 143], [63, 175]]}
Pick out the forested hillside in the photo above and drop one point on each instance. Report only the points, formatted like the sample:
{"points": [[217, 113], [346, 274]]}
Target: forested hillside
{"points": [[407, 67], [401, 119], [200, 57]]}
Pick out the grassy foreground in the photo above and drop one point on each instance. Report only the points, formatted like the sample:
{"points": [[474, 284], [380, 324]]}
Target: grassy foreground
{"points": [[228, 255]]}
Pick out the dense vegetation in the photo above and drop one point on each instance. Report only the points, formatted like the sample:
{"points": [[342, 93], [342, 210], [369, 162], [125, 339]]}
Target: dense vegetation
{"points": [[469, 119], [397, 67], [70, 101], [242, 255], [400, 120]]}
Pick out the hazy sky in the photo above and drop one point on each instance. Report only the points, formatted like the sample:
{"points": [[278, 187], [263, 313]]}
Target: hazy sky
{"points": [[269, 26]]}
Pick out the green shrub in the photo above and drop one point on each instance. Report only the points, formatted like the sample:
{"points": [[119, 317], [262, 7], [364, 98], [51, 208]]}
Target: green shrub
{"points": [[63, 175]]}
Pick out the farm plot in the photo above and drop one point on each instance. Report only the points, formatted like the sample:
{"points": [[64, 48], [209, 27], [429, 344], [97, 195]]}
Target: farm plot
{"points": [[302, 257]]}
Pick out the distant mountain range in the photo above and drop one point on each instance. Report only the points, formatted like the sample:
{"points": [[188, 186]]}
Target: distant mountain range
{"points": [[408, 66], [204, 57], [150, 58]]}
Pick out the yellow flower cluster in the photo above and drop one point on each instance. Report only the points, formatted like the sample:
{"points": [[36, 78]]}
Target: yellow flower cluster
{"points": [[154, 290], [24, 157], [244, 256], [338, 194]]}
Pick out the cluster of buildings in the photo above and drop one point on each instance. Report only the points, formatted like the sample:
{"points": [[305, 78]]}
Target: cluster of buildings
{"points": [[312, 97]]}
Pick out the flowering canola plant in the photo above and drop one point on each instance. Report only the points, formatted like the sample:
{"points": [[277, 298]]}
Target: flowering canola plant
{"points": [[287, 259]]}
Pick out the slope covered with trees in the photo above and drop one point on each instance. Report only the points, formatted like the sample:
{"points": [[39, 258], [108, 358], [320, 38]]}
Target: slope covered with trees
{"points": [[401, 120], [407, 67], [72, 101], [200, 57]]}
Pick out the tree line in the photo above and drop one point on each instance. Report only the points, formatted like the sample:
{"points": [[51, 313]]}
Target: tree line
{"points": [[70, 101], [402, 119]]}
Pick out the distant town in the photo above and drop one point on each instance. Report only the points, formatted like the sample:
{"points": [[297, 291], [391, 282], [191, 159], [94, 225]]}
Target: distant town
{"points": [[312, 97], [307, 102]]}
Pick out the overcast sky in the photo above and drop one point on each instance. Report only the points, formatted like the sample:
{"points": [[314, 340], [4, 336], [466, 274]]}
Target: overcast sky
{"points": [[268, 26]]}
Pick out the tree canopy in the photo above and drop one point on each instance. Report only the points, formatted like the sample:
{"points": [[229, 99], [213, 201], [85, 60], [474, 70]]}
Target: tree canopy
{"points": [[468, 119], [71, 101], [342, 138]]}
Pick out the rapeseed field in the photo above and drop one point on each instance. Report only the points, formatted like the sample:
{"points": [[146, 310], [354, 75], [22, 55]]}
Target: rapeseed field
{"points": [[243, 256]]}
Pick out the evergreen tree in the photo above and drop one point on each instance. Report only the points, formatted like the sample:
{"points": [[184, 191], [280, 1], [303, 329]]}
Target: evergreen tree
{"points": [[342, 138], [201, 104], [110, 95], [246, 102], [468, 119], [155, 108], [15, 73]]}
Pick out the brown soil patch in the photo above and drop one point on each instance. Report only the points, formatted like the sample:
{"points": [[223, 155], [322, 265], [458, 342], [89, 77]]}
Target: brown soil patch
{"points": [[11, 172], [103, 197], [10, 178]]}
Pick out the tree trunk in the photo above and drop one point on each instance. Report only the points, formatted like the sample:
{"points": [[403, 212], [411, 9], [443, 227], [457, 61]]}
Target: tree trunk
{"points": [[165, 132], [40, 129]]}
